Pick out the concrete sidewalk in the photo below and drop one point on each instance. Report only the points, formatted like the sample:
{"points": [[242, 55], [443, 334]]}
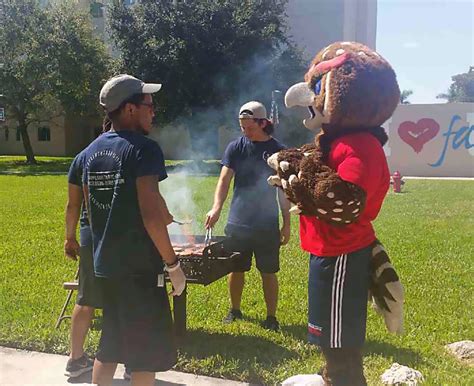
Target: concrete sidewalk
{"points": [[25, 368]]}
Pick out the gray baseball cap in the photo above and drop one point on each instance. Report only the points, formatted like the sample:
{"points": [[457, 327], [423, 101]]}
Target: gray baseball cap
{"points": [[253, 109], [121, 87]]}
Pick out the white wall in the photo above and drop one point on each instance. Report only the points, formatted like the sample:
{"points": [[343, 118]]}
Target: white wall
{"points": [[435, 140]]}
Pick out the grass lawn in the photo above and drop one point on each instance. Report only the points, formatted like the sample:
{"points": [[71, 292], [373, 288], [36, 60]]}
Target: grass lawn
{"points": [[428, 231]]}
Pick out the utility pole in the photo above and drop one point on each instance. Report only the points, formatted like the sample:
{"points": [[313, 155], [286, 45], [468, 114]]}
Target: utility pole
{"points": [[274, 109]]}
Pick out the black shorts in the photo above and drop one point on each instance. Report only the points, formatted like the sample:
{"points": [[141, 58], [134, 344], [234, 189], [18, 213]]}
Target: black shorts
{"points": [[137, 327], [89, 293], [264, 244], [337, 299]]}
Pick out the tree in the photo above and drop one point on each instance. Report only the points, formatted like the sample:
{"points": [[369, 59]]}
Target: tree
{"points": [[53, 65], [462, 88], [207, 53], [404, 97]]}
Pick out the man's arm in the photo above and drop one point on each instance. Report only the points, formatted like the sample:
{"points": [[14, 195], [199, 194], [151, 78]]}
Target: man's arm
{"points": [[73, 211], [285, 231], [153, 211], [168, 217], [222, 190]]}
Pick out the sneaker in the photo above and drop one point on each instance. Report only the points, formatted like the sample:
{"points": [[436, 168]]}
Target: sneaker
{"points": [[127, 375], [232, 316], [76, 367], [271, 323]]}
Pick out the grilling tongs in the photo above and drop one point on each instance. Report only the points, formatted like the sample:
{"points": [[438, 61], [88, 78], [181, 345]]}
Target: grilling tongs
{"points": [[208, 237], [183, 222]]}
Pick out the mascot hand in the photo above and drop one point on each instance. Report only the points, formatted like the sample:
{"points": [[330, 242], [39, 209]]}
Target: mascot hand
{"points": [[286, 163], [314, 188]]}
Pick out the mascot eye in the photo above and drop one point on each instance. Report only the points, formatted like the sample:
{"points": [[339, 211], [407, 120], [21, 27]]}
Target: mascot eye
{"points": [[317, 87]]}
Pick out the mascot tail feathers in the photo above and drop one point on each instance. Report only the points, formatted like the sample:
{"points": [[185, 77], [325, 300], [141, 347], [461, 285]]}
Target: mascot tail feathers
{"points": [[386, 290]]}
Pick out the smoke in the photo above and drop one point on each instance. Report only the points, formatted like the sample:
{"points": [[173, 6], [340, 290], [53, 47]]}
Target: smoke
{"points": [[204, 132], [179, 199]]}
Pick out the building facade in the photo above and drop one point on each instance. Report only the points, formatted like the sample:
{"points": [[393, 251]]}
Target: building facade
{"points": [[314, 24]]}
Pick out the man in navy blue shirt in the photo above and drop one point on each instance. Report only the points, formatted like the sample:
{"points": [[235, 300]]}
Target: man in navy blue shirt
{"points": [[253, 222], [128, 219]]}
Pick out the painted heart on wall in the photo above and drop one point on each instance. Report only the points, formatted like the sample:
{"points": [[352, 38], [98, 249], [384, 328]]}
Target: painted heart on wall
{"points": [[419, 133]]}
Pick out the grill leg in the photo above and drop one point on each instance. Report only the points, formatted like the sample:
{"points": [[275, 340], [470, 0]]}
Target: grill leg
{"points": [[179, 314], [63, 311], [66, 303]]}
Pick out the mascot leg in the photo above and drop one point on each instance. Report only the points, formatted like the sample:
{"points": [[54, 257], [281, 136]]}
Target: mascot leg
{"points": [[343, 367], [336, 372], [357, 367], [337, 299]]}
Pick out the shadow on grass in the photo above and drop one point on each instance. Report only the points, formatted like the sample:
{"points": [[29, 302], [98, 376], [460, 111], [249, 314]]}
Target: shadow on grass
{"points": [[244, 351], [403, 355], [54, 167], [22, 168], [406, 356], [297, 331]]}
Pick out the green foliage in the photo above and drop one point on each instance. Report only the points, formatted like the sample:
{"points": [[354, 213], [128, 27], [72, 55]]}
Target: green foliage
{"points": [[404, 95], [52, 63], [50, 55], [208, 54], [80, 64], [462, 88]]}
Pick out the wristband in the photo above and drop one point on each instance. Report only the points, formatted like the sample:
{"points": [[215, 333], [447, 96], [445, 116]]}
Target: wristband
{"points": [[173, 267]]}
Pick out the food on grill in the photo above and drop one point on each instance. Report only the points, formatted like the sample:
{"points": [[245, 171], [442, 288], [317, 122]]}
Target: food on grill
{"points": [[187, 249], [204, 262]]}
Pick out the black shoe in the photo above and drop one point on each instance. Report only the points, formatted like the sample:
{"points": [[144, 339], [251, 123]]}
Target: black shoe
{"points": [[271, 323], [76, 367], [232, 316], [127, 374]]}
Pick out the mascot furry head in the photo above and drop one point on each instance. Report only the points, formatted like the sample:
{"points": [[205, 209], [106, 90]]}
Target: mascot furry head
{"points": [[348, 88]]}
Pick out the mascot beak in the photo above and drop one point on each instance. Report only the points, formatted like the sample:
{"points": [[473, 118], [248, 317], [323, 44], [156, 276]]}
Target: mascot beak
{"points": [[300, 94]]}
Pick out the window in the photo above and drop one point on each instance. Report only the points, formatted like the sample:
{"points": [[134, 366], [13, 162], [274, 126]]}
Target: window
{"points": [[18, 135], [44, 134]]}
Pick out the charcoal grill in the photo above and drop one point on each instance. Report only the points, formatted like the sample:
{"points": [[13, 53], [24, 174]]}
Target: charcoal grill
{"points": [[214, 262]]}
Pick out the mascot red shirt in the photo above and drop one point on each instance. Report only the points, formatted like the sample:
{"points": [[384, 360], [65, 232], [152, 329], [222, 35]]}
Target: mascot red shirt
{"points": [[359, 159]]}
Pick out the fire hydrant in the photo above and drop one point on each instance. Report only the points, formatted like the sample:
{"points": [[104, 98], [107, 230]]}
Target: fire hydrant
{"points": [[397, 182]]}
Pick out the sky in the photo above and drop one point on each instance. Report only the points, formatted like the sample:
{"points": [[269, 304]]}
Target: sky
{"points": [[426, 42]]}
